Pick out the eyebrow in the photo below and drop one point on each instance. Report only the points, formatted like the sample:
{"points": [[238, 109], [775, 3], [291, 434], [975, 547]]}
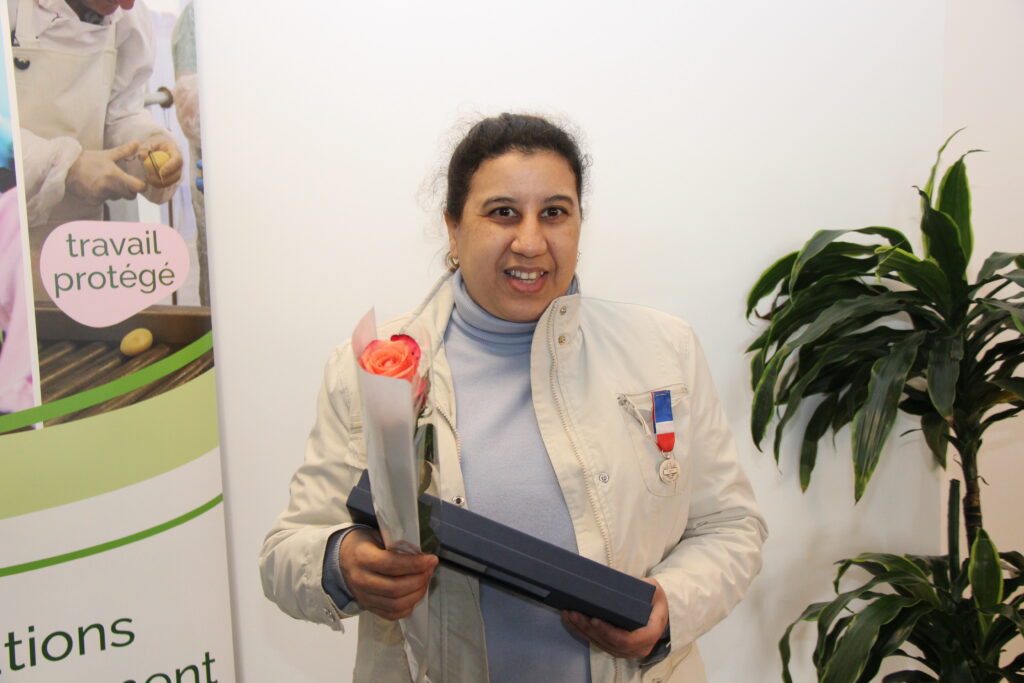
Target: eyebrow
{"points": [[499, 200], [512, 200], [560, 198]]}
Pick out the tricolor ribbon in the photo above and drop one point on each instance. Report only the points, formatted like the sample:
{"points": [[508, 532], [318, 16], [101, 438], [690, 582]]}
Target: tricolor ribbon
{"points": [[664, 427]]}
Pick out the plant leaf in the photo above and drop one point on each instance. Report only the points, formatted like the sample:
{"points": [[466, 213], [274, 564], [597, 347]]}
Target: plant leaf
{"points": [[1003, 631], [828, 648], [1014, 385], [851, 655], [1002, 415], [943, 372], [935, 430], [851, 401], [764, 397], [874, 420], [902, 571], [1015, 276], [909, 677], [769, 280], [891, 636], [955, 201], [953, 530], [944, 245], [994, 263], [1013, 558], [841, 311], [837, 313], [822, 238], [809, 614], [829, 633], [926, 276], [984, 572], [812, 360], [1016, 312], [807, 304], [794, 396], [1013, 614], [935, 167], [1012, 672], [815, 429]]}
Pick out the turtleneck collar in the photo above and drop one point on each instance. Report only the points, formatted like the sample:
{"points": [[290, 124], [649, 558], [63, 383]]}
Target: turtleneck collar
{"points": [[473, 320]]}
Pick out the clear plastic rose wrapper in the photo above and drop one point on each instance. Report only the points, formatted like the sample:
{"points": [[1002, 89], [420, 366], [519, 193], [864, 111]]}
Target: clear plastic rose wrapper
{"points": [[394, 384]]}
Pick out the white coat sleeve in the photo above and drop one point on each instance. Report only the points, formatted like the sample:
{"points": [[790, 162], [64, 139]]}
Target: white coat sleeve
{"points": [[291, 562], [15, 353], [127, 117], [44, 171], [709, 570]]}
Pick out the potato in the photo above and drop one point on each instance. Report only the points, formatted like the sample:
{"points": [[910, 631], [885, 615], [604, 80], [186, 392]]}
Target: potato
{"points": [[136, 341], [154, 160]]}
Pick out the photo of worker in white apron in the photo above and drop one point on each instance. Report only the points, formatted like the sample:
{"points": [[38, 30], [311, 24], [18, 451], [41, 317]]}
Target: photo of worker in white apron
{"points": [[96, 89]]}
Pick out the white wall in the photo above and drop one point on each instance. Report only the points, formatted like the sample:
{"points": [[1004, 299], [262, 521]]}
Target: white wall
{"points": [[723, 135]]}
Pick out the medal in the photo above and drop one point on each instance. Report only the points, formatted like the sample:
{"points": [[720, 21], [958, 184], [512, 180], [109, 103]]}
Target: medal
{"points": [[664, 434], [669, 470], [664, 428]]}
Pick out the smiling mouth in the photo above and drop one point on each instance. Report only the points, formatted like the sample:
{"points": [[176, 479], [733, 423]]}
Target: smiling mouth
{"points": [[527, 276], [526, 281]]}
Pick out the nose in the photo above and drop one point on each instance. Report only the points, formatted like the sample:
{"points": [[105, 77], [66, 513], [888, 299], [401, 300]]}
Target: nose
{"points": [[530, 240]]}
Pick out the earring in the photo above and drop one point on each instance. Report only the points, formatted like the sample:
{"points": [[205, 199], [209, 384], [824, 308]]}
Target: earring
{"points": [[452, 261]]}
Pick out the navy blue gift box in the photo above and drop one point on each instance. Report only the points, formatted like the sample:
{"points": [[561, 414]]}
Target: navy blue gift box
{"points": [[529, 566]]}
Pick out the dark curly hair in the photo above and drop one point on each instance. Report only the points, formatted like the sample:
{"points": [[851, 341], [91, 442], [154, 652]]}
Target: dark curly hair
{"points": [[497, 135]]}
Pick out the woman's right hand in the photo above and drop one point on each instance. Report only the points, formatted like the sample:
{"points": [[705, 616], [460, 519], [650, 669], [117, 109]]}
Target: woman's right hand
{"points": [[387, 583]]}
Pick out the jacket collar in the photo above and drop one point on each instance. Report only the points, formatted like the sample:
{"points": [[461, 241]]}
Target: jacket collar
{"points": [[435, 311]]}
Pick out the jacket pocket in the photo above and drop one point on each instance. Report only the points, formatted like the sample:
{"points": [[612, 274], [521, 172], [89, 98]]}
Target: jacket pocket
{"points": [[656, 466]]}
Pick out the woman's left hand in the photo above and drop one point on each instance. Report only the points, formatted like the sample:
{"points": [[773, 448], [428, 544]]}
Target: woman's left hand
{"points": [[620, 642]]}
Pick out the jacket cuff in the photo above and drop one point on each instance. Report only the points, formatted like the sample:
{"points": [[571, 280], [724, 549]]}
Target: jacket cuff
{"points": [[661, 649], [333, 581]]}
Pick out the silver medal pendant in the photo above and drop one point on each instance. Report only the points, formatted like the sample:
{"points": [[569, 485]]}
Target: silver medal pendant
{"points": [[668, 470]]}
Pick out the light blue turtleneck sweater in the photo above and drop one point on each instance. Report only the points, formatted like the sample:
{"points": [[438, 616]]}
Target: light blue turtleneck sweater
{"points": [[509, 478]]}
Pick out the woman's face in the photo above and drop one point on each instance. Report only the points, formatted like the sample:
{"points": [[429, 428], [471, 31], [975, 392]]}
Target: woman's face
{"points": [[519, 233]]}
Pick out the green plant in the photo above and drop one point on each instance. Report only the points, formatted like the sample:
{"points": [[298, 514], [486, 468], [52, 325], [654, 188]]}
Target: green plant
{"points": [[959, 637], [867, 330]]}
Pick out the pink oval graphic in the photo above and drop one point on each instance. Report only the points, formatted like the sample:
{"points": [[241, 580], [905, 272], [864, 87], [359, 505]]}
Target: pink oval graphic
{"points": [[102, 272]]}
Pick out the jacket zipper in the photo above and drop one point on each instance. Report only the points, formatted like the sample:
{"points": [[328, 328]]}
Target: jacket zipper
{"points": [[458, 459], [458, 442], [587, 485]]}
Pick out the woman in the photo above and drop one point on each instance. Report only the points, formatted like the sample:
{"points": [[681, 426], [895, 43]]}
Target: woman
{"points": [[544, 411]]}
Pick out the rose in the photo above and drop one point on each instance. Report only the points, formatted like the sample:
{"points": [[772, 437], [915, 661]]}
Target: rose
{"points": [[398, 357]]}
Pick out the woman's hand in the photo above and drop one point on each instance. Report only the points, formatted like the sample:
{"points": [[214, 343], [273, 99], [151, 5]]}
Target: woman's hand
{"points": [[386, 583], [619, 642], [169, 171], [96, 177]]}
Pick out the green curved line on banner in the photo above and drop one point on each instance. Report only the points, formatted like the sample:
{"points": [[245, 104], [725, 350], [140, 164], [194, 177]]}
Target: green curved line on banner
{"points": [[110, 390], [110, 545], [44, 468]]}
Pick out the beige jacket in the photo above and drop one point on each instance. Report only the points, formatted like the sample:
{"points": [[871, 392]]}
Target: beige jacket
{"points": [[594, 364]]}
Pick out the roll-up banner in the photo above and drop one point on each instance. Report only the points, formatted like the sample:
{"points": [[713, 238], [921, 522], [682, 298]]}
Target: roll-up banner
{"points": [[113, 562]]}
